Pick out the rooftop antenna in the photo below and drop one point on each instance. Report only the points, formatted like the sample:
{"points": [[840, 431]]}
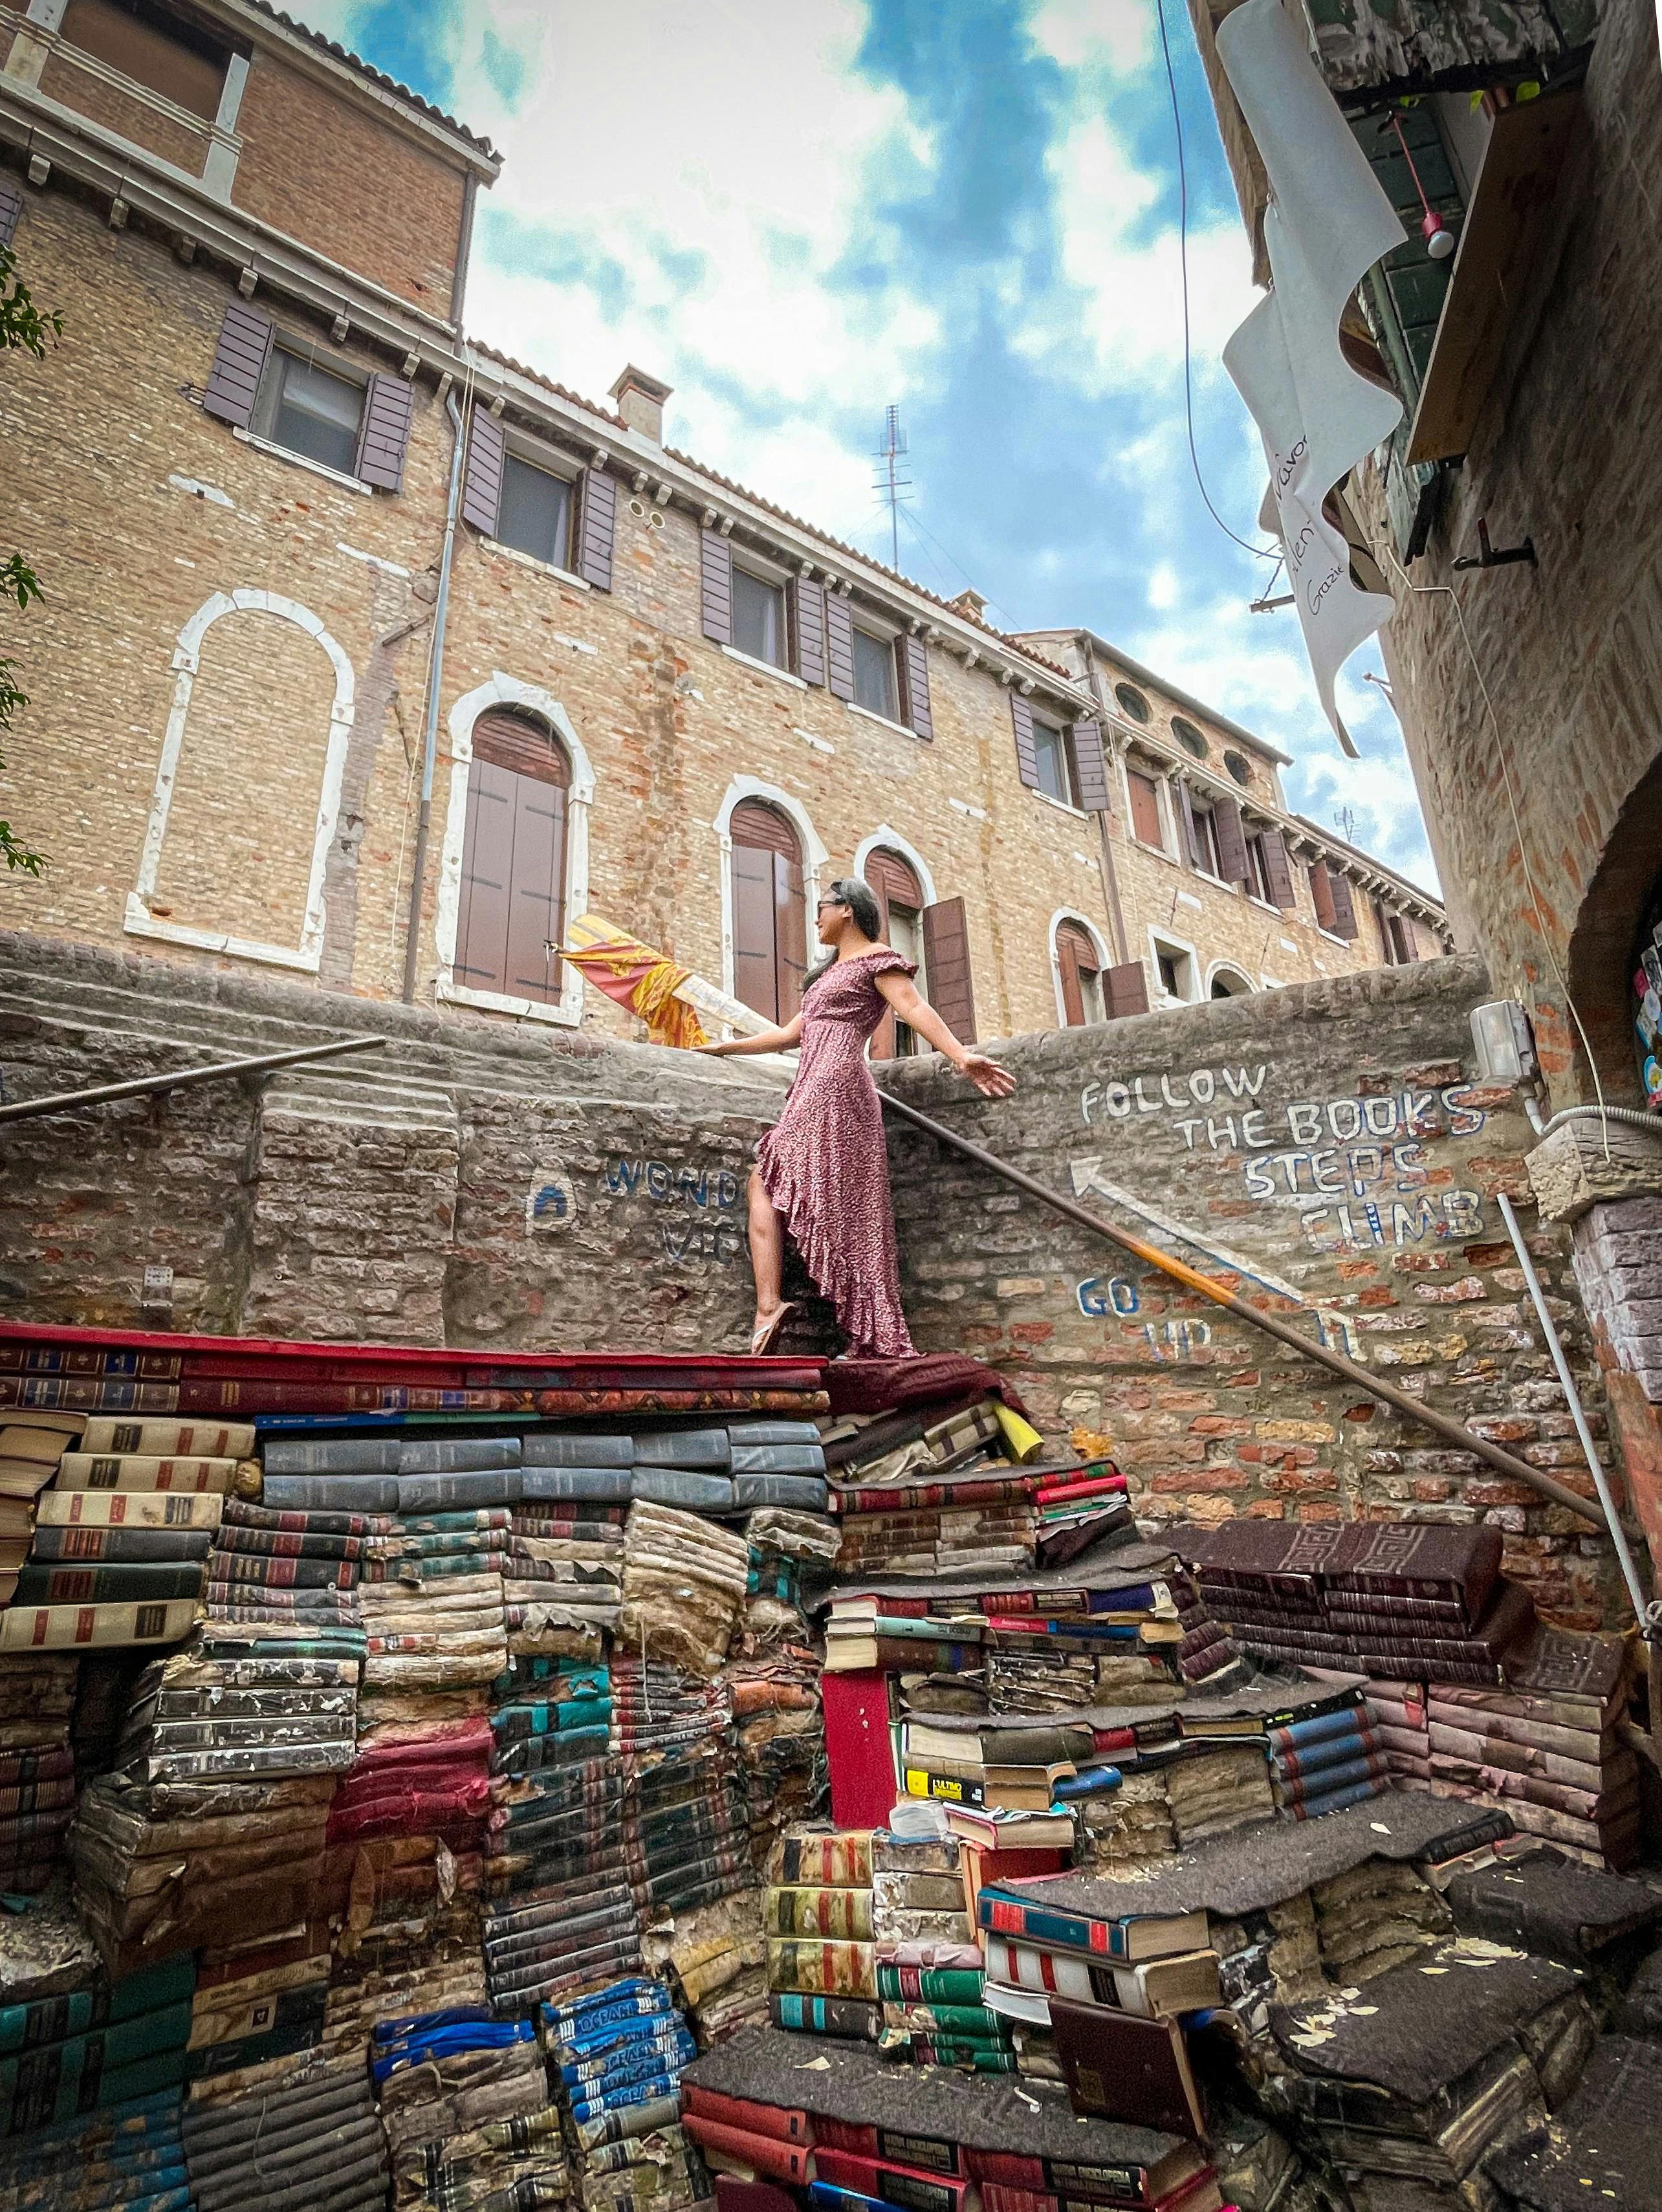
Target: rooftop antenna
{"points": [[1345, 820], [891, 484]]}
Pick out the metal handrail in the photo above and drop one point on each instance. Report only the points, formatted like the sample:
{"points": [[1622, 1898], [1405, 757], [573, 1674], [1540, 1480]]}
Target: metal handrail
{"points": [[61, 1101]]}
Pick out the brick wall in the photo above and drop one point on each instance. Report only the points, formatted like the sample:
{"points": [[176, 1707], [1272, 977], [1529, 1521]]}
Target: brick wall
{"points": [[67, 80]]}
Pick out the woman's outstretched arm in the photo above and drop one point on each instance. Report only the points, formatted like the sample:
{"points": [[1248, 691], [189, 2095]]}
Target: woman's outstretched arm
{"points": [[769, 1041], [914, 1010]]}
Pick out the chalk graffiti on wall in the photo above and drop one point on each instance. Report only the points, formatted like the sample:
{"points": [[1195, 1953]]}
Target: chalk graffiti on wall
{"points": [[1367, 1154], [699, 1224]]}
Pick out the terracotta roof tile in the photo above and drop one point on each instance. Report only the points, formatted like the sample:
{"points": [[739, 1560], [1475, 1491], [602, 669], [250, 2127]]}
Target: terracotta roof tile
{"points": [[341, 53]]}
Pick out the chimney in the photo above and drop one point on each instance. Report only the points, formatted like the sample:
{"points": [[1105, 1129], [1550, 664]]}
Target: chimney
{"points": [[972, 604], [640, 402]]}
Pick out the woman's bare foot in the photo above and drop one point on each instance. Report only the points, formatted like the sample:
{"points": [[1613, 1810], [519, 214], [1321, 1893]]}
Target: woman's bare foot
{"points": [[765, 1335]]}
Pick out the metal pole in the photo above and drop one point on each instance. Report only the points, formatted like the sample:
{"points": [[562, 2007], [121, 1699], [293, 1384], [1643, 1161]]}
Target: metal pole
{"points": [[1272, 1324], [61, 1101], [1600, 1480], [435, 677]]}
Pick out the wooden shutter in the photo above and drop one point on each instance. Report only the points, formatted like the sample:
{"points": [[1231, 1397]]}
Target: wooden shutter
{"points": [[389, 409], [1077, 959], [716, 586], [1145, 808], [1278, 870], [804, 604], [839, 646], [946, 965], [513, 860], [1090, 768], [597, 524], [244, 343], [1321, 895], [769, 935], [1027, 755], [1187, 829], [911, 667], [1344, 923], [482, 486], [1126, 990], [1232, 864], [894, 883], [11, 207]]}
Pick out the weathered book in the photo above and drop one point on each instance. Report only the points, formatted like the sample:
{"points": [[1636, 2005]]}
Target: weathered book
{"points": [[242, 1513], [262, 1568], [1420, 1560], [332, 1455], [457, 1455], [288, 1544], [839, 1913], [50, 1584], [55, 2019], [805, 1493], [559, 1447], [783, 2124], [77, 1628], [129, 1508], [685, 1448], [206, 1439], [749, 1458], [823, 1969], [674, 1485], [337, 1493], [1127, 2069], [113, 1471], [95, 1540], [438, 1493], [842, 1860], [817, 2015]]}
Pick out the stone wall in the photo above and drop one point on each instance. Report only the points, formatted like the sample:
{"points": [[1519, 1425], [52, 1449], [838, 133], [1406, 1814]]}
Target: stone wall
{"points": [[476, 1186]]}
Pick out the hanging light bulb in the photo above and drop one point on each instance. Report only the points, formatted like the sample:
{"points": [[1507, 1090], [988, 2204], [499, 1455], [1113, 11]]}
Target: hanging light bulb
{"points": [[1439, 237]]}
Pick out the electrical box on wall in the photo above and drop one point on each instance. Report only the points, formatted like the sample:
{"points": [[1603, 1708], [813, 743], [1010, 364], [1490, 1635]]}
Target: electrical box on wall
{"points": [[1504, 1040]]}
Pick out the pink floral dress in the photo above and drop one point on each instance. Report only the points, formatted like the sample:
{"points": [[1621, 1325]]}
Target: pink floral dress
{"points": [[824, 1165]]}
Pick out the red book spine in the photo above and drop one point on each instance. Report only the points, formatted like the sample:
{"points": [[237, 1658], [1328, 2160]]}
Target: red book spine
{"points": [[1105, 1485], [784, 2162], [856, 2135], [1008, 2169], [777, 2120]]}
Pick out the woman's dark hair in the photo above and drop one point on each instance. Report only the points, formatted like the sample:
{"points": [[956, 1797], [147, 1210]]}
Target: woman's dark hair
{"points": [[858, 896]]}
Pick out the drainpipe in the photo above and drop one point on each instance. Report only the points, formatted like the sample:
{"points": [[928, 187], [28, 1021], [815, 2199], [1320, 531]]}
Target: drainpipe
{"points": [[1110, 879], [434, 680]]}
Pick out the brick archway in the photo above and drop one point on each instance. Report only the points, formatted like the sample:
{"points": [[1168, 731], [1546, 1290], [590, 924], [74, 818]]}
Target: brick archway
{"points": [[1601, 946]]}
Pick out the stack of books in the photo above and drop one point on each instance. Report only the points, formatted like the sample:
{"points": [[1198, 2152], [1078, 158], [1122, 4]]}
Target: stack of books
{"points": [[289, 1566], [1000, 1769], [306, 2133], [37, 1769], [427, 1778], [1318, 1765], [257, 2002], [909, 1635], [564, 1574], [196, 1715], [921, 1498], [686, 1582], [402, 1955], [687, 1826], [1077, 1505], [822, 1957], [714, 1960], [450, 2091], [129, 2155], [30, 1447], [63, 2056], [1397, 1711], [616, 2058]]}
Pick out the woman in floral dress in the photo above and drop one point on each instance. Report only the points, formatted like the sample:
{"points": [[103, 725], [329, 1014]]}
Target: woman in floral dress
{"points": [[822, 1171]]}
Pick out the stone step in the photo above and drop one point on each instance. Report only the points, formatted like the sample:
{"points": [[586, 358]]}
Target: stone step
{"points": [[393, 1101]]}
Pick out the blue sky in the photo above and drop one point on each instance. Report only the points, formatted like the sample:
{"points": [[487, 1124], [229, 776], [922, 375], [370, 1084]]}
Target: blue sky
{"points": [[798, 211]]}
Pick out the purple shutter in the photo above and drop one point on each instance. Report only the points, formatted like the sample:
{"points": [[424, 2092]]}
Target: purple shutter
{"points": [[481, 488], [946, 967], [1027, 758], [1344, 923], [1278, 870], [1090, 767], [1191, 833], [805, 602], [839, 646], [596, 526], [717, 580], [1126, 990], [11, 207], [245, 342], [912, 664], [383, 439], [1232, 864]]}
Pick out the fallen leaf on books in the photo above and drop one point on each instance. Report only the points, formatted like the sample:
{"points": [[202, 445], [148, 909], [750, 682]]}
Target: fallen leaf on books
{"points": [[1379, 1828], [815, 2066]]}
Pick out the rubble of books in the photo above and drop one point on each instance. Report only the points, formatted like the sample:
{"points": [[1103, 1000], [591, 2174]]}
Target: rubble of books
{"points": [[485, 1781]]}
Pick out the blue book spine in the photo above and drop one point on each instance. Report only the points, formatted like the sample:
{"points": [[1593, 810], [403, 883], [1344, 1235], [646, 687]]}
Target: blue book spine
{"points": [[1331, 1780], [1318, 1730], [1090, 1781], [1358, 1793], [1309, 1766]]}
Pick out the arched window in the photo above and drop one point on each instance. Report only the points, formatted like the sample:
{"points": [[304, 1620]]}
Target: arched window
{"points": [[770, 942], [1230, 983], [512, 906], [1081, 966], [901, 902]]}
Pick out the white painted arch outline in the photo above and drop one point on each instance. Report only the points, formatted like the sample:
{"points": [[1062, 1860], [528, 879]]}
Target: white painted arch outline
{"points": [[503, 691], [1104, 958], [1236, 972], [187, 660], [890, 840], [813, 858]]}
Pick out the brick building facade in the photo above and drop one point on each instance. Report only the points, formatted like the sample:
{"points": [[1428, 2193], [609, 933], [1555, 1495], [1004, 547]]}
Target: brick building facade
{"points": [[280, 603]]}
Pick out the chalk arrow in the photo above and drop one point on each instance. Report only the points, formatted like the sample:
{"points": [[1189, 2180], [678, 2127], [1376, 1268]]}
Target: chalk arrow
{"points": [[1088, 1176]]}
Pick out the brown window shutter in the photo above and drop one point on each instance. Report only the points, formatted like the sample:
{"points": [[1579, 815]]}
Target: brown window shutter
{"points": [[11, 208], [1277, 869], [597, 524], [1126, 990], [769, 930], [1145, 808], [513, 860], [839, 646], [912, 666], [1232, 862], [1090, 767], [1189, 832], [1077, 957], [1021, 722], [1344, 923], [245, 342], [716, 583], [894, 883], [804, 601], [482, 487], [383, 439], [1321, 895], [946, 966]]}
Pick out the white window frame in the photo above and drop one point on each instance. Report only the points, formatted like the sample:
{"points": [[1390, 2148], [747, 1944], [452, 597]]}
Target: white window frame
{"points": [[517, 446], [509, 691], [814, 858], [1163, 940], [1232, 968], [889, 840], [1104, 958], [139, 921], [344, 372], [761, 570]]}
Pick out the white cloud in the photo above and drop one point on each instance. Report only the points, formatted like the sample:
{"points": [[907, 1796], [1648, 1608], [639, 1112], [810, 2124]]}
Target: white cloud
{"points": [[1164, 590], [1104, 37]]}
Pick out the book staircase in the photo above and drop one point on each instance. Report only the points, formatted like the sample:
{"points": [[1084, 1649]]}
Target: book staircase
{"points": [[476, 1780]]}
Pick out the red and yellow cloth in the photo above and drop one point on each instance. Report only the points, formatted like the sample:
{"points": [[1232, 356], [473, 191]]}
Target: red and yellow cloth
{"points": [[636, 977]]}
